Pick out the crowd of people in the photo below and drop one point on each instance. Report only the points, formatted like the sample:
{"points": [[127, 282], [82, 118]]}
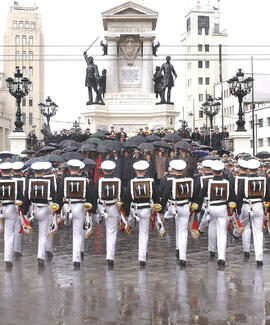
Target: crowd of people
{"points": [[124, 183]]}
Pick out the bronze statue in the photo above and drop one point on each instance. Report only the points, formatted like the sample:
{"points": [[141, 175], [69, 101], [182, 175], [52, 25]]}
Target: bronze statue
{"points": [[104, 48], [168, 81], [102, 82], [155, 48], [158, 87], [91, 80]]}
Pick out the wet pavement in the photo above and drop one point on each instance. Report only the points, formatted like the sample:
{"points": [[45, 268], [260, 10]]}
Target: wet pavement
{"points": [[160, 294]]}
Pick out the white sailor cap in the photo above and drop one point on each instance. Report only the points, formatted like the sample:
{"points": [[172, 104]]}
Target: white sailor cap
{"points": [[6, 166], [253, 164], [178, 164], [76, 163], [242, 163], [108, 165], [47, 165], [217, 165], [207, 163], [37, 166], [18, 165], [141, 165]]}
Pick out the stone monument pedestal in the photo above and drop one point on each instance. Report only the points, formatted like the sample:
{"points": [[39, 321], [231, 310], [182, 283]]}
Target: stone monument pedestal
{"points": [[241, 142], [17, 141]]}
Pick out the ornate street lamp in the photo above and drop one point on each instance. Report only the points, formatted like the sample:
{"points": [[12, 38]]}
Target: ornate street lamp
{"points": [[240, 87], [48, 110], [18, 88], [211, 109]]}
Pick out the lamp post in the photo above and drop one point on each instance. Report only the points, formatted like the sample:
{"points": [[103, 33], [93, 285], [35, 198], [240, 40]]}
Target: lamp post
{"points": [[18, 88], [48, 110], [240, 87], [211, 109]]}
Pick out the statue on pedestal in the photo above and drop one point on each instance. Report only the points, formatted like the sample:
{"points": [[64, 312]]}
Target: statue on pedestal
{"points": [[158, 87], [102, 82], [168, 80], [155, 48], [91, 81], [104, 48]]}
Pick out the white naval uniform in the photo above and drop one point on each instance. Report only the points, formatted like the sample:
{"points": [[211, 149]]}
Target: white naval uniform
{"points": [[10, 215], [17, 234]]}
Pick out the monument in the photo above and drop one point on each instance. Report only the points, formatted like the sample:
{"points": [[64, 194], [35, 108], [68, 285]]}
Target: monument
{"points": [[130, 99]]}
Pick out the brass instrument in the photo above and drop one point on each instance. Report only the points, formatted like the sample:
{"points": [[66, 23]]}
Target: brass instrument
{"points": [[119, 205], [239, 229], [54, 224], [195, 234]]}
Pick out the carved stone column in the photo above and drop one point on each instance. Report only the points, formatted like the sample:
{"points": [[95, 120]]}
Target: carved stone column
{"points": [[112, 64], [147, 73]]}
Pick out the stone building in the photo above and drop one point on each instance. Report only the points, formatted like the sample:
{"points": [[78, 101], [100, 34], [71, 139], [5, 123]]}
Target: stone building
{"points": [[24, 47], [5, 116]]}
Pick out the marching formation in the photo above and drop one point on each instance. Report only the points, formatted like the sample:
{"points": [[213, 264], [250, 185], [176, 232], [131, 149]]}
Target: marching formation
{"points": [[208, 201]]}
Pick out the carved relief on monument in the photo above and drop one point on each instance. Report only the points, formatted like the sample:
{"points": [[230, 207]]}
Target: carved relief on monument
{"points": [[129, 47]]}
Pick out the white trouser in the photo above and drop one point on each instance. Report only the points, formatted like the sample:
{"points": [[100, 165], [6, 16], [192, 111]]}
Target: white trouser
{"points": [[10, 215], [219, 215], [181, 228], [49, 246], [212, 236], [78, 219], [256, 223], [17, 235], [144, 216], [111, 223], [42, 215]]}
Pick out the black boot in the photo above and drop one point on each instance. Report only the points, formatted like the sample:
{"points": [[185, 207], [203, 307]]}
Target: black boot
{"points": [[110, 263], [77, 265], [49, 255], [212, 255], [182, 263], [142, 264], [177, 254], [221, 263], [247, 255], [18, 255], [9, 266], [82, 256], [40, 263], [259, 263]]}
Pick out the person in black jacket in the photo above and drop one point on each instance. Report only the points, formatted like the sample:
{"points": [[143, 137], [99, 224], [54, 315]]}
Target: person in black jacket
{"points": [[196, 136]]}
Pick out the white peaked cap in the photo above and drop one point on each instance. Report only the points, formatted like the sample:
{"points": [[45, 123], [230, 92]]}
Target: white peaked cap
{"points": [[141, 165], [178, 164], [18, 165], [217, 165], [76, 163], [242, 163], [207, 163], [253, 164], [37, 166], [6, 166], [108, 165], [47, 165]]}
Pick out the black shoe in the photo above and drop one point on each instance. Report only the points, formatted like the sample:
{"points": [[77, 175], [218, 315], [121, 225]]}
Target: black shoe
{"points": [[259, 263], [49, 255], [247, 255], [142, 264], [182, 263], [41, 263], [17, 255], [77, 265], [221, 262], [177, 254], [82, 256], [9, 266], [110, 262], [147, 256], [212, 254]]}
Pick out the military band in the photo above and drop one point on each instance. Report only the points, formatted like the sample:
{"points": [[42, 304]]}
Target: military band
{"points": [[208, 201]]}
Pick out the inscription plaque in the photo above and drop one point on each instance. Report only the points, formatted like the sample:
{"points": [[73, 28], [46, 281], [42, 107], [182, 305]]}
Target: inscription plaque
{"points": [[129, 75]]}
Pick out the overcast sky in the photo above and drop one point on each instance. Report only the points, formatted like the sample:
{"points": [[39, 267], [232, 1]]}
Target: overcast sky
{"points": [[79, 22]]}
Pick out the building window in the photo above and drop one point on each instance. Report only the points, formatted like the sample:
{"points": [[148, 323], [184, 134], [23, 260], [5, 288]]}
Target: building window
{"points": [[206, 31], [27, 24], [30, 102], [30, 55], [199, 31], [203, 22], [206, 48], [17, 55], [24, 55], [30, 40], [24, 71], [17, 40], [260, 142], [207, 64], [23, 102], [268, 121], [200, 81], [30, 71], [260, 122], [200, 114], [33, 24], [30, 118], [14, 23], [200, 64], [23, 118], [201, 97], [188, 25], [21, 24], [207, 81], [24, 40], [200, 47]]}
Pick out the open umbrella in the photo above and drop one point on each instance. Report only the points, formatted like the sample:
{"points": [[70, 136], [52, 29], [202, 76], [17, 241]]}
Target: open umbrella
{"points": [[115, 146], [146, 146], [138, 139], [94, 140], [201, 153], [30, 161], [69, 149], [129, 145], [263, 154], [28, 152], [152, 138], [173, 137], [89, 162], [205, 148], [47, 149], [72, 155], [161, 144], [53, 158], [88, 147], [182, 145], [99, 135]]}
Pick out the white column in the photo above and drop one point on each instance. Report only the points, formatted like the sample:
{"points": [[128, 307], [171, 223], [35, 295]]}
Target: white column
{"points": [[17, 142], [112, 64], [147, 73]]}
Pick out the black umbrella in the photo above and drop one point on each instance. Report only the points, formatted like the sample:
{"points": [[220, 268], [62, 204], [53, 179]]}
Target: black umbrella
{"points": [[138, 139], [28, 152], [172, 137], [64, 165], [194, 144], [58, 152], [161, 144], [129, 145], [152, 138], [186, 139], [72, 155], [146, 146], [206, 148], [115, 146], [263, 154], [89, 162], [182, 145], [88, 147], [69, 149], [70, 143], [47, 149]]}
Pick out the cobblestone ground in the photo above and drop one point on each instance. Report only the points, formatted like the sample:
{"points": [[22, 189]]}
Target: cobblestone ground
{"points": [[160, 294]]}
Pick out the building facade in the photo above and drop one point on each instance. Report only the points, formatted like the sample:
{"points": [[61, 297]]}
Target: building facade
{"points": [[202, 40], [24, 48], [5, 117]]}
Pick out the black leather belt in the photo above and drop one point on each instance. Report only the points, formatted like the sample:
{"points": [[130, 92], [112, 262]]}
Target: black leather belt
{"points": [[217, 204], [6, 204]]}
